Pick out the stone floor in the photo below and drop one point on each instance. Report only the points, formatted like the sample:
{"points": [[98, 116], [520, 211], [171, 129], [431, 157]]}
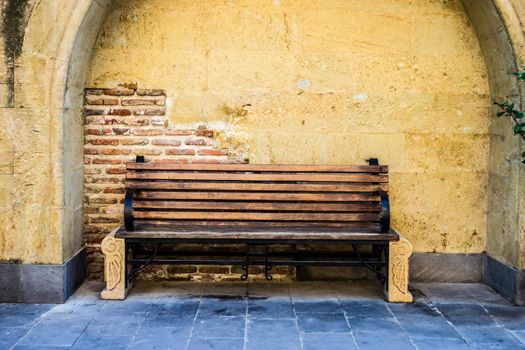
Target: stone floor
{"points": [[268, 316]]}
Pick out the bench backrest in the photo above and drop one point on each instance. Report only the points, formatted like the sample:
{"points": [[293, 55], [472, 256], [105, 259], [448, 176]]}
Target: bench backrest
{"points": [[315, 196]]}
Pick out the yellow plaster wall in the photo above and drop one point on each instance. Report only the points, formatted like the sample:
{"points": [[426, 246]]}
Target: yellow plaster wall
{"points": [[326, 82]]}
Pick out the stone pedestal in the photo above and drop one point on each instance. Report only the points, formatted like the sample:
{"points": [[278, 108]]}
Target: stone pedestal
{"points": [[114, 250], [397, 287]]}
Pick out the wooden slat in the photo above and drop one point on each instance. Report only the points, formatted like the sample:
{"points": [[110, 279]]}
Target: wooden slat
{"points": [[256, 196], [236, 233], [258, 206], [273, 187], [254, 225], [206, 215], [258, 167], [257, 177]]}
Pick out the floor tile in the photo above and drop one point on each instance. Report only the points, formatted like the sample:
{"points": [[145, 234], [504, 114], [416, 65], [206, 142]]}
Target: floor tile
{"points": [[488, 335], [216, 344], [287, 343], [270, 308], [216, 327], [222, 307], [441, 344], [510, 317], [318, 306], [371, 341], [156, 321], [271, 328], [461, 314], [332, 341], [368, 309], [322, 322], [88, 342], [377, 325]]}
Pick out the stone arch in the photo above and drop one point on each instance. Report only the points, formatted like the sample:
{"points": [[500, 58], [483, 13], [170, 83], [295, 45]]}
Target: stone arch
{"points": [[51, 74]]}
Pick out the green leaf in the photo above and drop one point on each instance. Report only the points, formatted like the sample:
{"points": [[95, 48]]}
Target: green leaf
{"points": [[500, 114], [517, 128], [518, 115]]}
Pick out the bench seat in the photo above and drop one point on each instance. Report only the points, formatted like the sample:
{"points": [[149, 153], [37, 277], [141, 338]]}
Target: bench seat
{"points": [[257, 213], [254, 233]]}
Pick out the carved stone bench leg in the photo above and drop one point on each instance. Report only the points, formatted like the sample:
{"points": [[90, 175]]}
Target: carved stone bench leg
{"points": [[397, 288], [114, 250]]}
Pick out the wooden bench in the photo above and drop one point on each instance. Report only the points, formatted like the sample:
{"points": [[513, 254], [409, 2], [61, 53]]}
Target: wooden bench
{"points": [[256, 207]]}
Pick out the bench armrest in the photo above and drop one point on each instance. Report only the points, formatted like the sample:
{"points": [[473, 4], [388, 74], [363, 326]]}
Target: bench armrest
{"points": [[128, 210], [384, 218]]}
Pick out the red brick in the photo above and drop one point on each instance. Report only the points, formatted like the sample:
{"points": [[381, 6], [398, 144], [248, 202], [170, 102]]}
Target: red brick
{"points": [[91, 171], [106, 161], [102, 180], [116, 151], [105, 142], [178, 132], [147, 132], [182, 269], [137, 122], [151, 92], [91, 210], [139, 102], [119, 92], [166, 142], [214, 269], [147, 152], [206, 133], [89, 111], [118, 190], [134, 142], [118, 111], [198, 142], [121, 131], [213, 152], [102, 101], [90, 151], [149, 112], [115, 171], [93, 132], [105, 220], [112, 121], [96, 120], [180, 152], [102, 200]]}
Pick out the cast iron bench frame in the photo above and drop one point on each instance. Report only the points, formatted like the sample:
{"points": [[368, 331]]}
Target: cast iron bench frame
{"points": [[148, 224]]}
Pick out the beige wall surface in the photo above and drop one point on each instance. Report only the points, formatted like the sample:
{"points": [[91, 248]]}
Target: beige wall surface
{"points": [[326, 82]]}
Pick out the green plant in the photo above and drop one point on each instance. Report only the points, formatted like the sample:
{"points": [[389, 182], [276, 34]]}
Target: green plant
{"points": [[507, 109]]}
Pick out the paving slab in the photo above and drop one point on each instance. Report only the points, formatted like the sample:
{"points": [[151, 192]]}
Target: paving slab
{"points": [[256, 316]]}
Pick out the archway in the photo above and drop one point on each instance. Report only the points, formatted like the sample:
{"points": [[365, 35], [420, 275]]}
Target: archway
{"points": [[64, 58]]}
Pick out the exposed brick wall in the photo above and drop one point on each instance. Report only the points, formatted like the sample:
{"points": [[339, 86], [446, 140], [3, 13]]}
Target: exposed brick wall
{"points": [[121, 124]]}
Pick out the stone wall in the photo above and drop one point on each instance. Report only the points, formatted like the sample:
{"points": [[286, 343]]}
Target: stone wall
{"points": [[326, 82]]}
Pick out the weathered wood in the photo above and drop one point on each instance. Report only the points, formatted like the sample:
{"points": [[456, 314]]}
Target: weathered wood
{"points": [[257, 177], [209, 215], [264, 187], [259, 206], [261, 196], [237, 233], [260, 225], [258, 167]]}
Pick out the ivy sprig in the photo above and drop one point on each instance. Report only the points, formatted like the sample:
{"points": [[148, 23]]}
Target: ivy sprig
{"points": [[508, 109]]}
